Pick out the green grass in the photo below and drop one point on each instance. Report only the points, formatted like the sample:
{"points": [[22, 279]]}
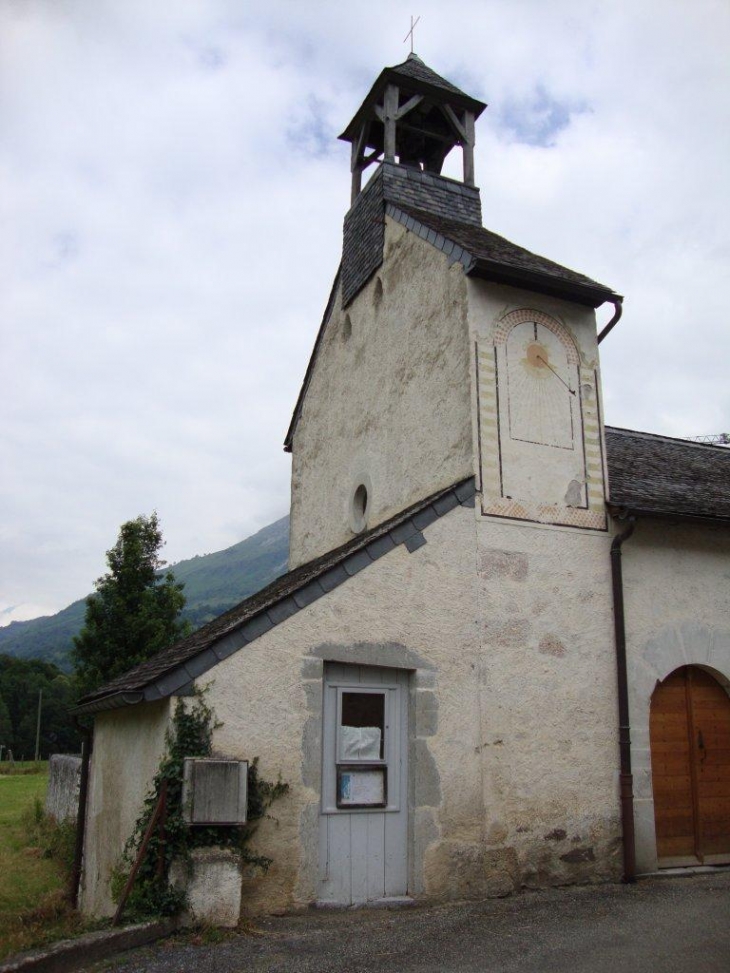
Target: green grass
{"points": [[8, 768], [34, 864]]}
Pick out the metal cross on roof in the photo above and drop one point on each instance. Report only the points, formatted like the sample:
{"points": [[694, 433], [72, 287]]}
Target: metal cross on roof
{"points": [[410, 32]]}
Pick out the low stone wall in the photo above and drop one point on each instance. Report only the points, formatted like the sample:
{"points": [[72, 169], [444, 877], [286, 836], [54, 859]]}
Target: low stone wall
{"points": [[62, 799]]}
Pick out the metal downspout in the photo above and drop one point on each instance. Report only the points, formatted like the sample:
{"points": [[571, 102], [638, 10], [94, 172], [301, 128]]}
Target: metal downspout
{"points": [[86, 748], [626, 777], [618, 311]]}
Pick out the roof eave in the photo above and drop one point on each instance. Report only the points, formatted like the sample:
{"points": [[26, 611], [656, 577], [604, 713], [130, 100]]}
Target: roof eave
{"points": [[109, 702], [178, 677], [620, 511], [388, 75], [542, 283]]}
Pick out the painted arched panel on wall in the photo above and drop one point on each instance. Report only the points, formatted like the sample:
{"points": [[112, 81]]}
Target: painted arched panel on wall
{"points": [[690, 760], [541, 388], [540, 444]]}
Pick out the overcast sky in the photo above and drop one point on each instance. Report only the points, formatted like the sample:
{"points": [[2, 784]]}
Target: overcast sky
{"points": [[171, 203]]}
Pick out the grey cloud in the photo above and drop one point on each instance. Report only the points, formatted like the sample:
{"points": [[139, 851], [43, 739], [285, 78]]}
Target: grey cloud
{"points": [[172, 214]]}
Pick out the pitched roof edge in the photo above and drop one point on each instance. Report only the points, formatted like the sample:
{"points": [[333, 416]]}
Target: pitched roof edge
{"points": [[334, 569], [632, 495], [589, 292], [620, 511], [418, 85], [453, 251], [622, 430], [110, 702], [541, 283], [310, 366]]}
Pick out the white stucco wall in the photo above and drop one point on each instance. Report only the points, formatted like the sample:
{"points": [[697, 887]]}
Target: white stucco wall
{"points": [[548, 701], [390, 404], [413, 611], [677, 613], [513, 757], [128, 746], [506, 629]]}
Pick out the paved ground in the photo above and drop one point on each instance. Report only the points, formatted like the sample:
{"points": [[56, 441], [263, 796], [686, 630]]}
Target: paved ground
{"points": [[664, 925]]}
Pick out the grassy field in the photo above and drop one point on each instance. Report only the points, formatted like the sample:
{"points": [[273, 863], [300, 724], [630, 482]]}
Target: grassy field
{"points": [[34, 862], [9, 768]]}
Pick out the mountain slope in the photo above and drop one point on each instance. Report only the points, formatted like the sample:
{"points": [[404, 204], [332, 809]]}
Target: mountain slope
{"points": [[213, 583]]}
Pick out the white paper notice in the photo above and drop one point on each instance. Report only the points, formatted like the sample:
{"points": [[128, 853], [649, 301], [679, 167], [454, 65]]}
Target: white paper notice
{"points": [[360, 743], [362, 787]]}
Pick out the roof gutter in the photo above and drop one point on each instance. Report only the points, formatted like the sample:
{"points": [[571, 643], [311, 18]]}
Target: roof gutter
{"points": [[626, 776], [622, 512], [618, 306], [542, 283], [112, 701]]}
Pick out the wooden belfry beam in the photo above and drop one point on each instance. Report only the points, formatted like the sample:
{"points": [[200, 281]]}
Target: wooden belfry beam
{"points": [[408, 106], [465, 132], [356, 166]]}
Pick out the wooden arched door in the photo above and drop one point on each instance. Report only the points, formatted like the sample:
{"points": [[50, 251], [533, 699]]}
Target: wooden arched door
{"points": [[690, 764]]}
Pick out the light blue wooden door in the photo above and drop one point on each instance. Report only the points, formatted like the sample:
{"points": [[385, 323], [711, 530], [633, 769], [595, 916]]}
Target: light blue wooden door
{"points": [[363, 834]]}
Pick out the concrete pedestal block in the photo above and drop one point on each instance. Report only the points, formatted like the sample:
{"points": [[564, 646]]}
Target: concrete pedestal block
{"points": [[212, 882], [64, 779]]}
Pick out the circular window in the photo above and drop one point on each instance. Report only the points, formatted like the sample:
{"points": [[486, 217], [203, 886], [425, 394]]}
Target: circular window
{"points": [[359, 508]]}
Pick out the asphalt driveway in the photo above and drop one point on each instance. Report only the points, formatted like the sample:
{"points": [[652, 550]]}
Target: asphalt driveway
{"points": [[662, 925]]}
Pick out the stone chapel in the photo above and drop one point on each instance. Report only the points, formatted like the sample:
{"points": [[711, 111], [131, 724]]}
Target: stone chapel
{"points": [[501, 655]]}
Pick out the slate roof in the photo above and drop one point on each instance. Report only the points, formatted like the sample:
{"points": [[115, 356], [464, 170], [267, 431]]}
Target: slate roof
{"points": [[170, 671], [486, 254], [665, 477], [418, 77], [415, 69]]}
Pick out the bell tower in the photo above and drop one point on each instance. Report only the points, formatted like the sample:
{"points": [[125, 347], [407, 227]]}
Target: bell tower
{"points": [[445, 351], [414, 117], [408, 123]]}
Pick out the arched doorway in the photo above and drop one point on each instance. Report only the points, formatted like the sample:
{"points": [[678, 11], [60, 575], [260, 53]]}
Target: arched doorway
{"points": [[690, 763]]}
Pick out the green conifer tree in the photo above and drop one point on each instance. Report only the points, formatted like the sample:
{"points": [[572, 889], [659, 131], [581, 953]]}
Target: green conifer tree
{"points": [[135, 612]]}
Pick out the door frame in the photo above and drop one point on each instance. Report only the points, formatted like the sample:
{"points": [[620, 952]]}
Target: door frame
{"points": [[396, 685]]}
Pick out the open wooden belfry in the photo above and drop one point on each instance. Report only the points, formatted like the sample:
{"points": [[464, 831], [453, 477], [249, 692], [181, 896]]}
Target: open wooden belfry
{"points": [[415, 117]]}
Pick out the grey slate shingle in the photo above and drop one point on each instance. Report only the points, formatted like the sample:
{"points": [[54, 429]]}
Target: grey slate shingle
{"points": [[416, 69], [666, 476]]}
